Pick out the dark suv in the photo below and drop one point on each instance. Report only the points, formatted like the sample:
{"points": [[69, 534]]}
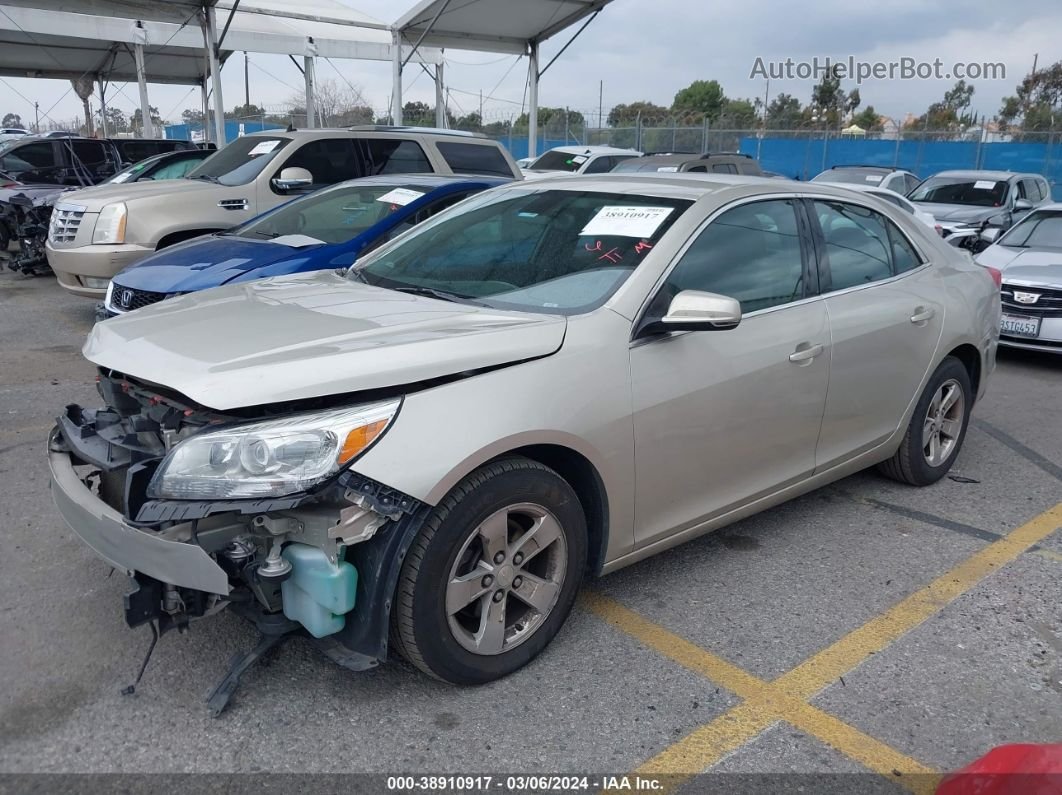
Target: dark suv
{"points": [[708, 163], [70, 160]]}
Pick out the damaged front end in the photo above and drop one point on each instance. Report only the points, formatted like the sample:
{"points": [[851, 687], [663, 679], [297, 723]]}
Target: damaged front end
{"points": [[24, 218], [262, 513]]}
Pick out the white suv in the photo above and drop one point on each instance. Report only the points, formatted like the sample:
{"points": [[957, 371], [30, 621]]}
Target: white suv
{"points": [[579, 160]]}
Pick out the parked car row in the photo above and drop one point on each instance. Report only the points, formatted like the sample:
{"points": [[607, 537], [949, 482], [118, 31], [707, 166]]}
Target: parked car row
{"points": [[72, 160]]}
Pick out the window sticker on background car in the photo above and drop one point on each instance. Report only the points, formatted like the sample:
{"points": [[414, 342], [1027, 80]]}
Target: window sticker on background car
{"points": [[873, 177], [263, 148], [638, 222], [580, 159], [984, 184], [400, 196], [668, 168]]}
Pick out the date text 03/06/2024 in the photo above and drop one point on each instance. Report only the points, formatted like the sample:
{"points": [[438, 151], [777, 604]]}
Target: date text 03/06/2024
{"points": [[533, 783]]}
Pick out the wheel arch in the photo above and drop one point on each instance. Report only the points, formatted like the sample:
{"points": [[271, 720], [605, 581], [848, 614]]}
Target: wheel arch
{"points": [[970, 357], [181, 235]]}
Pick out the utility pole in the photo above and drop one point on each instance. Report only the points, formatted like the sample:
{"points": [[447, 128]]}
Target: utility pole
{"points": [[36, 117], [600, 105], [246, 84], [481, 106]]}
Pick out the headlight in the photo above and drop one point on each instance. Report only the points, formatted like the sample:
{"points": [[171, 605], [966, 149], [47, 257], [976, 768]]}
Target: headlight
{"points": [[269, 459], [110, 226]]}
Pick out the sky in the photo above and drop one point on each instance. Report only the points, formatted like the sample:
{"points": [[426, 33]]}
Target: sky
{"points": [[649, 49]]}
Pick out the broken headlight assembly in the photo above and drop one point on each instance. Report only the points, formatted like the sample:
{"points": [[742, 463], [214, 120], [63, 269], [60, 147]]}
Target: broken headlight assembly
{"points": [[274, 458]]}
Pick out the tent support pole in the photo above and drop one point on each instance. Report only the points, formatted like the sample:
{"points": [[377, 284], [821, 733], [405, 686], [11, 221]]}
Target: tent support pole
{"points": [[396, 77], [440, 98], [147, 128], [103, 108], [532, 102], [211, 31], [311, 93]]}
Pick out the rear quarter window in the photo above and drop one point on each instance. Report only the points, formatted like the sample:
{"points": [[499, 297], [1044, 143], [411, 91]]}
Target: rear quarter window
{"points": [[465, 158]]}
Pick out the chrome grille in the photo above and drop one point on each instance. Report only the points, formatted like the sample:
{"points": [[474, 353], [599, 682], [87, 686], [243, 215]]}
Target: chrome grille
{"points": [[1048, 301], [65, 221]]}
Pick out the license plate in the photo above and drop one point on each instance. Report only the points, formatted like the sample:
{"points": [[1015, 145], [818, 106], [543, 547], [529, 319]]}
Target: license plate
{"points": [[1020, 326]]}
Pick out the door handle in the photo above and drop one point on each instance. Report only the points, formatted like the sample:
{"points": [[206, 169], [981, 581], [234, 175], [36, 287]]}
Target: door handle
{"points": [[922, 314], [804, 353]]}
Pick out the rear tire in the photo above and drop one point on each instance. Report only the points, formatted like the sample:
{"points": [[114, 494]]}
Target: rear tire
{"points": [[492, 574], [937, 428]]}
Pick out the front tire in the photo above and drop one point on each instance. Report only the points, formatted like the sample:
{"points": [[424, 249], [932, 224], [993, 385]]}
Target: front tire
{"points": [[937, 428], [492, 575]]}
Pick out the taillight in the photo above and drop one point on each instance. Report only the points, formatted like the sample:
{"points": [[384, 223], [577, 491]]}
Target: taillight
{"points": [[940, 230], [996, 274]]}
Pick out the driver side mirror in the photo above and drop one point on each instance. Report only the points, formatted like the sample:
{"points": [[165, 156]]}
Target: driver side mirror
{"points": [[1020, 205], [291, 179], [694, 310]]}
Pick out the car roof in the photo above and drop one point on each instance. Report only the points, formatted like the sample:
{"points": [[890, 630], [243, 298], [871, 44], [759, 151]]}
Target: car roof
{"points": [[428, 181], [859, 167], [592, 150], [371, 130], [674, 184], [998, 176]]}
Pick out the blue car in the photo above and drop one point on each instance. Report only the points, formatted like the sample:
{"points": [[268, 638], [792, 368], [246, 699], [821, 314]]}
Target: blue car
{"points": [[329, 228]]}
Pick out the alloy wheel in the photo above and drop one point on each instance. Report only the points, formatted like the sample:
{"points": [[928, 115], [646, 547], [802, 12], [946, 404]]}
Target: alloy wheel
{"points": [[943, 423]]}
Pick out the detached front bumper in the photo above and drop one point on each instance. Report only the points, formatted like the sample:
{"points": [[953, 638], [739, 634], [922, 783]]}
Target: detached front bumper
{"points": [[126, 547]]}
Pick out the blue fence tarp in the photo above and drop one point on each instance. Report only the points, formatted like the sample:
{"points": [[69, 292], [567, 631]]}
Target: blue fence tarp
{"points": [[803, 158], [232, 130]]}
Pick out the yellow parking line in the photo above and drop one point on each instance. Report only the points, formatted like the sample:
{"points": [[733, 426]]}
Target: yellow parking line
{"points": [[824, 668], [763, 705], [786, 697]]}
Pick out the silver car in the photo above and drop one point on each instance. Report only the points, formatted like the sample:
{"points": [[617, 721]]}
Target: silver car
{"points": [[1029, 256], [546, 382]]}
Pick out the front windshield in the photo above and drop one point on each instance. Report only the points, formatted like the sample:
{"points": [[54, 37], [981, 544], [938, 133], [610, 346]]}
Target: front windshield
{"points": [[1041, 229], [849, 177], [334, 215], [130, 173], [553, 251], [239, 162], [559, 161], [960, 190]]}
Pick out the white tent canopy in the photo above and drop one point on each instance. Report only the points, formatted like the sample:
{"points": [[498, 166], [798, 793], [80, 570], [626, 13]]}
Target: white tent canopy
{"points": [[104, 40], [490, 26]]}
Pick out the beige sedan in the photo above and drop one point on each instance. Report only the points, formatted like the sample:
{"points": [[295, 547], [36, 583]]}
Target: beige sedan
{"points": [[547, 381]]}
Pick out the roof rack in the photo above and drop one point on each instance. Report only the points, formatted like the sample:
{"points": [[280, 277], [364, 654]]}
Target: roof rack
{"points": [[410, 128], [706, 155], [865, 165], [672, 152]]}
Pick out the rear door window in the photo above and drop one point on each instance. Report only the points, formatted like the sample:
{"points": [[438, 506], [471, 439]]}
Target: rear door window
{"points": [[29, 158], [599, 165], [393, 156], [465, 158], [862, 246], [724, 168]]}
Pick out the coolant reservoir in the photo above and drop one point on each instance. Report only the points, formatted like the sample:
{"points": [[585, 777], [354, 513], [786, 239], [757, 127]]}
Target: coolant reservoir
{"points": [[319, 592]]}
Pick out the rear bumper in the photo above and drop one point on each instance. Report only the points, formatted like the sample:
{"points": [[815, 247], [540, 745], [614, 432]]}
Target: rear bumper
{"points": [[126, 547], [71, 265]]}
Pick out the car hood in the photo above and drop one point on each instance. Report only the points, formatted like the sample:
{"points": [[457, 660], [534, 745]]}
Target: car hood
{"points": [[1025, 265], [95, 198], [202, 263], [311, 335], [958, 213]]}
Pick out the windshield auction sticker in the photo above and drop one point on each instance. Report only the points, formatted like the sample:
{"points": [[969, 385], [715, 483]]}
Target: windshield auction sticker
{"points": [[400, 196], [626, 221], [263, 148]]}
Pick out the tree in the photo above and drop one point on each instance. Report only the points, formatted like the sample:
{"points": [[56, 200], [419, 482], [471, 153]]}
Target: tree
{"points": [[192, 116], [418, 113], [869, 119], [783, 113], [830, 103], [116, 120], [251, 111], [334, 105], [1037, 104], [136, 120], [554, 121], [701, 97], [738, 114], [629, 115], [11, 120], [950, 114], [471, 122]]}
